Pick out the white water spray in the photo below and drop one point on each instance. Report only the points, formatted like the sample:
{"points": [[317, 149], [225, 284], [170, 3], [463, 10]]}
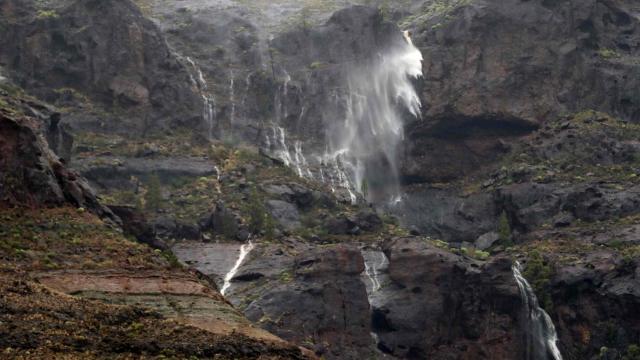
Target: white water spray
{"points": [[244, 251], [541, 334], [368, 139]]}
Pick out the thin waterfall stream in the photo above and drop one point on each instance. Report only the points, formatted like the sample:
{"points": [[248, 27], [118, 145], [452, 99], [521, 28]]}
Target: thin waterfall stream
{"points": [[209, 103], [541, 336], [245, 249], [374, 278]]}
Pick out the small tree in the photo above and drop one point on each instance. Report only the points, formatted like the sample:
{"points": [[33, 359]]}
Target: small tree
{"points": [[259, 218], [504, 229], [364, 188], [633, 353], [539, 274], [153, 197]]}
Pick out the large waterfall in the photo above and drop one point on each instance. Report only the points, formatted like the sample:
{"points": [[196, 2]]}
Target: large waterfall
{"points": [[541, 337], [361, 152], [366, 143]]}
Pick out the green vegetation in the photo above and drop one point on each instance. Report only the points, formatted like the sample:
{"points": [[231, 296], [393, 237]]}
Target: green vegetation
{"points": [[317, 65], [569, 161], [260, 221], [608, 54], [633, 353], [47, 14], [504, 230], [539, 273], [46, 239], [171, 259], [286, 276], [433, 9], [364, 188], [153, 196], [473, 253]]}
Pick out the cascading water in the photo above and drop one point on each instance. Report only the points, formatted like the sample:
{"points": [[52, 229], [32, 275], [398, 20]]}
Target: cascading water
{"points": [[244, 251], [232, 97], [375, 263], [374, 277], [541, 336], [209, 114], [366, 143], [209, 105], [276, 139]]}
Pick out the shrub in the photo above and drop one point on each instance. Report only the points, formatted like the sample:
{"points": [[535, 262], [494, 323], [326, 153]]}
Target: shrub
{"points": [[364, 188], [539, 274], [504, 229], [153, 197], [47, 14], [259, 218], [633, 353]]}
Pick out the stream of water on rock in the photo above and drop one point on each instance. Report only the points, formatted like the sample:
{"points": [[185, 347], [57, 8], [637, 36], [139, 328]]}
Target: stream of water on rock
{"points": [[276, 140], [541, 336], [244, 251], [209, 104], [375, 276], [232, 97]]}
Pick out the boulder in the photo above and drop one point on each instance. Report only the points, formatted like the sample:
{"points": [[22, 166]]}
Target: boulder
{"points": [[487, 240], [285, 213]]}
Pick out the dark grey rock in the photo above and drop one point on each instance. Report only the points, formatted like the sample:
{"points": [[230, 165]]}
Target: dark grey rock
{"points": [[286, 214]]}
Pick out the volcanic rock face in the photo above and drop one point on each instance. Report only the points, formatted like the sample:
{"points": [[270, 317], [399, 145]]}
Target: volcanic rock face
{"points": [[48, 238], [492, 164], [437, 299], [569, 191], [106, 51], [30, 173], [432, 299], [503, 67], [303, 293], [495, 69]]}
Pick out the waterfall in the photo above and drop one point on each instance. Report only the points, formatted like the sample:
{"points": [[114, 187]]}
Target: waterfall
{"points": [[541, 334], [247, 87], [209, 114], [232, 97], [276, 139], [375, 265], [209, 105], [244, 251], [368, 138]]}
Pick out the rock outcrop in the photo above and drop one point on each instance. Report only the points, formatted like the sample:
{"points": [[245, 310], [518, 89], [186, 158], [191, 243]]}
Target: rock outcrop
{"points": [[30, 173], [494, 70], [439, 305], [108, 52], [304, 293]]}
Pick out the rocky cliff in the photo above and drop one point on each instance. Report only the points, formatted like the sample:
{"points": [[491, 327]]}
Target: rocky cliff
{"points": [[57, 238], [203, 129], [97, 56]]}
